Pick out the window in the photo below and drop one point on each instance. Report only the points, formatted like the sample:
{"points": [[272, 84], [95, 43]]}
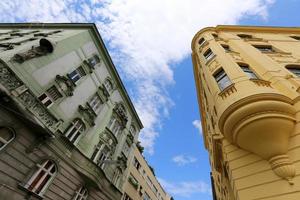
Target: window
{"points": [[201, 41], [295, 37], [42, 177], [76, 74], [245, 36], [96, 103], [208, 54], [126, 197], [295, 69], [114, 126], [222, 79], [132, 130], [6, 136], [132, 180], [116, 177], [126, 148], [52, 94], [100, 154], [264, 48], [136, 164], [248, 71], [94, 60], [75, 130], [108, 85], [226, 48], [215, 35], [146, 196], [81, 194]]}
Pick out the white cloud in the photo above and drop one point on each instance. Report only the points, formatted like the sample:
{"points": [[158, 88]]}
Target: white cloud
{"points": [[144, 37], [187, 188], [197, 124], [182, 160]]}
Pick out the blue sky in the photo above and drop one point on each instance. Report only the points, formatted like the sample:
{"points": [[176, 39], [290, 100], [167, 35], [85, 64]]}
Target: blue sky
{"points": [[149, 42]]}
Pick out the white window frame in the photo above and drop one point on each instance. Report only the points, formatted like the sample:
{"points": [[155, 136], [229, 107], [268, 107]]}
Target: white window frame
{"points": [[76, 129], [81, 194], [108, 85], [4, 141], [96, 103], [46, 171]]}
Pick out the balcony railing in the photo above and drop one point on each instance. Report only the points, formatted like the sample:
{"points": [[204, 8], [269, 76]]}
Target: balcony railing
{"points": [[228, 91]]}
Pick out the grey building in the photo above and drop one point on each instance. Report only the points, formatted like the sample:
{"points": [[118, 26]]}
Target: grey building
{"points": [[67, 124]]}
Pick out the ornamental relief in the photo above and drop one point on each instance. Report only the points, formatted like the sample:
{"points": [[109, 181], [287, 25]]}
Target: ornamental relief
{"points": [[107, 138], [236, 56], [284, 58], [10, 81]]}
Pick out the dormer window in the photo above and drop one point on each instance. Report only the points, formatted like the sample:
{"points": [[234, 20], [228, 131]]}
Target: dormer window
{"points": [[208, 54]]}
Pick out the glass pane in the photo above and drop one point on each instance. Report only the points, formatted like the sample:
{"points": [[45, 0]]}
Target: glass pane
{"points": [[224, 82]]}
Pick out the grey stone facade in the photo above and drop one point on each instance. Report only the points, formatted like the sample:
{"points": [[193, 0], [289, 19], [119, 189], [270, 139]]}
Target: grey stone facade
{"points": [[66, 121]]}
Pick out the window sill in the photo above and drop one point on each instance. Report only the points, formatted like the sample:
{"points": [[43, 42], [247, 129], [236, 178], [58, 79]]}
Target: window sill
{"points": [[29, 192]]}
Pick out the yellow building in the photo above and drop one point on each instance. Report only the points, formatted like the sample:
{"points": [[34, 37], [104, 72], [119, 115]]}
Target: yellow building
{"points": [[142, 183], [248, 86]]}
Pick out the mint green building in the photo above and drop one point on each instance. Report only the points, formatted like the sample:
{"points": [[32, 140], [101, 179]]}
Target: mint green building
{"points": [[67, 124]]}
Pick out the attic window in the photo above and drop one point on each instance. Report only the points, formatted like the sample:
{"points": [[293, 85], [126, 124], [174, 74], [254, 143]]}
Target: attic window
{"points": [[265, 48], [295, 37]]}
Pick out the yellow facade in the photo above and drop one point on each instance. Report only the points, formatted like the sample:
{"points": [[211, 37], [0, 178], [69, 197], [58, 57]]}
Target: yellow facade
{"points": [[142, 183], [248, 88]]}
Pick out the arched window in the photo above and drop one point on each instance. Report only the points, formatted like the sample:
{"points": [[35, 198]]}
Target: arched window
{"points": [[42, 178], [247, 70], [81, 194], [295, 69], [108, 85], [6, 136], [75, 130]]}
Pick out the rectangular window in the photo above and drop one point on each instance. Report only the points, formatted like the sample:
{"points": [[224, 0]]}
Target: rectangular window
{"points": [[264, 48], [45, 99], [295, 71], [226, 48], [222, 79], [54, 93], [76, 74], [94, 60], [248, 71], [136, 164], [201, 41], [296, 37], [95, 103], [146, 196], [126, 197], [208, 55], [245, 36]]}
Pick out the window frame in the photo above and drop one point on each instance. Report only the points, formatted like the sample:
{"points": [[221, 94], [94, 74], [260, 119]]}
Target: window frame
{"points": [[208, 55], [96, 103], [4, 141], [221, 75], [108, 84], [36, 183], [201, 41], [293, 69], [75, 131], [81, 194], [76, 74], [263, 48], [248, 71]]}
